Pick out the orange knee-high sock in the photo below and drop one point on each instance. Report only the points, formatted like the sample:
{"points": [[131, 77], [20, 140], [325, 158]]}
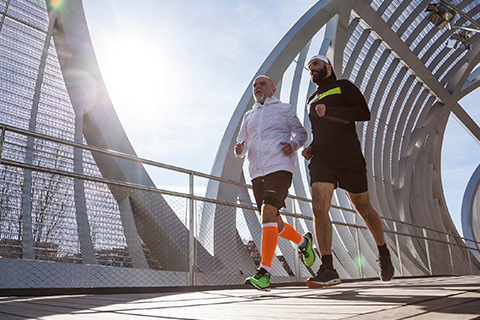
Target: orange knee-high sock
{"points": [[289, 233], [269, 244]]}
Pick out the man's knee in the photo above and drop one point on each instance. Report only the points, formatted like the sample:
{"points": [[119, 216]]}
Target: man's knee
{"points": [[321, 197], [361, 203], [364, 208], [269, 213], [320, 210], [366, 211]]}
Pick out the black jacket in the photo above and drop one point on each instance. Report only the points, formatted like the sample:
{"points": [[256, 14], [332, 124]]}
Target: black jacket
{"points": [[334, 135]]}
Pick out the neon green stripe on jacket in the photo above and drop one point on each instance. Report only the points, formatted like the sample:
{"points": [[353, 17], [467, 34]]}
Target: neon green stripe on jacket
{"points": [[330, 92]]}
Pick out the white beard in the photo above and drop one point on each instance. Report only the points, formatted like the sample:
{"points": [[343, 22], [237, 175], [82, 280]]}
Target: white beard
{"points": [[259, 97]]}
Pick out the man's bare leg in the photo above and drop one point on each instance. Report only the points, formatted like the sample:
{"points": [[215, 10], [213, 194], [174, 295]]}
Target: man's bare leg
{"points": [[362, 205], [321, 197]]}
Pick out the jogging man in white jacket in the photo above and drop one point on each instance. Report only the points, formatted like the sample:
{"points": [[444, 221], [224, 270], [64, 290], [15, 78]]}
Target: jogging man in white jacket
{"points": [[270, 135]]}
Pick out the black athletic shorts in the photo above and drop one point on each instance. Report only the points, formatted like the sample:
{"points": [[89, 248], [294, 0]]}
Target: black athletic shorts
{"points": [[272, 189], [350, 175]]}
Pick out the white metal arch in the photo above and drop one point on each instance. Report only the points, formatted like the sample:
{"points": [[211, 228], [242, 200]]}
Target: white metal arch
{"points": [[412, 83]]}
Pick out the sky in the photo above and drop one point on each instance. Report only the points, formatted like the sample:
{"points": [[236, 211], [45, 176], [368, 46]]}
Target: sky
{"points": [[175, 71]]}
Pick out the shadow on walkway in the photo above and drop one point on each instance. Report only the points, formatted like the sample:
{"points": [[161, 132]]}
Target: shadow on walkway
{"points": [[408, 298]]}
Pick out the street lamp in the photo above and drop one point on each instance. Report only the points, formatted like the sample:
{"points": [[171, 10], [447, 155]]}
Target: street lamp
{"points": [[459, 40], [443, 14], [440, 15]]}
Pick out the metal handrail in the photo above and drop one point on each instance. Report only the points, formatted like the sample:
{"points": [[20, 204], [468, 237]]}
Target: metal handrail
{"points": [[190, 195], [120, 155]]}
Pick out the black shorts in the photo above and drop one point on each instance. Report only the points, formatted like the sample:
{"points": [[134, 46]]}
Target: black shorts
{"points": [[350, 175], [272, 189]]}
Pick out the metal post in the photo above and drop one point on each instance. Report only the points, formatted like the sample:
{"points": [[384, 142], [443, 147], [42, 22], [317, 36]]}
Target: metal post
{"points": [[469, 258], [428, 251], [450, 253], [357, 239], [399, 252], [296, 254], [2, 140], [191, 234]]}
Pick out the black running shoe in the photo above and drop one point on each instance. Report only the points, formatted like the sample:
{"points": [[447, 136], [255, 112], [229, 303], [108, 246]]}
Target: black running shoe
{"points": [[386, 268], [324, 278]]}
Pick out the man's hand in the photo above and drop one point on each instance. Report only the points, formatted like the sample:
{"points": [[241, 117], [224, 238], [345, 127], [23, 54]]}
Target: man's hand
{"points": [[239, 147], [320, 109], [287, 148], [307, 153]]}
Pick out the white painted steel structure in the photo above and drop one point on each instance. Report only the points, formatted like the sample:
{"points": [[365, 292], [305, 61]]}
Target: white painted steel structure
{"points": [[412, 83], [78, 209]]}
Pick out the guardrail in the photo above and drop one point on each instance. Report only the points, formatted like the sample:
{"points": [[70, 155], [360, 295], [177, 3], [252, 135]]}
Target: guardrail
{"points": [[421, 234]]}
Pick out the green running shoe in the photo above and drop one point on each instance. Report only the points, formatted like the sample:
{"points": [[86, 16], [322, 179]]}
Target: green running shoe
{"points": [[260, 281], [308, 255]]}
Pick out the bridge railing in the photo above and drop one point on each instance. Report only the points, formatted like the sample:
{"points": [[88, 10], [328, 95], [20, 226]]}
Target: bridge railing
{"points": [[225, 253]]}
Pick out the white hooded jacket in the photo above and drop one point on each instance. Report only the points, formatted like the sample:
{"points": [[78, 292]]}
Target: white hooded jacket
{"points": [[263, 128]]}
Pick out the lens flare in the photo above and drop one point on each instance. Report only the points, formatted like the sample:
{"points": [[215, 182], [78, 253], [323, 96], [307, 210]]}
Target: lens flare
{"points": [[83, 87], [360, 261], [56, 3]]}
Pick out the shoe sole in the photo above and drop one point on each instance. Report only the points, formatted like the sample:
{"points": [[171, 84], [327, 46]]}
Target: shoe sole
{"points": [[386, 280], [254, 286], [318, 285]]}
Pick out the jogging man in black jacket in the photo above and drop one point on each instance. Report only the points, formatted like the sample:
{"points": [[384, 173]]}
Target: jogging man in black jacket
{"points": [[337, 161]]}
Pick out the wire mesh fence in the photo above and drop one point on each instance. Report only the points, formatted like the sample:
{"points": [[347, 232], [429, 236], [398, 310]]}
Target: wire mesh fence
{"points": [[65, 225]]}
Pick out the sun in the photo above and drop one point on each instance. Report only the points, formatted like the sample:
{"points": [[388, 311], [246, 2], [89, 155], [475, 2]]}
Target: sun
{"points": [[129, 69], [142, 74]]}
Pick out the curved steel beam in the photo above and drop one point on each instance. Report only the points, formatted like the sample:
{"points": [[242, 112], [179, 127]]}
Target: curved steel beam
{"points": [[102, 128], [470, 213], [409, 105], [226, 165]]}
